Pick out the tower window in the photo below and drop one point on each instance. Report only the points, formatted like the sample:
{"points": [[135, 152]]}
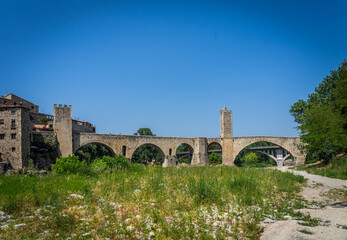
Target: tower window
{"points": [[2, 136], [13, 136], [1, 121], [13, 123], [13, 149], [13, 112]]}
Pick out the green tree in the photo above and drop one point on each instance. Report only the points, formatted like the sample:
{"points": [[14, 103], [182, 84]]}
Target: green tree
{"points": [[43, 120], [250, 158], [322, 118], [144, 132], [215, 158]]}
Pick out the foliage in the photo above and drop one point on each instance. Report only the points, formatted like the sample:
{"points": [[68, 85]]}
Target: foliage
{"points": [[172, 203], [146, 153], [337, 168], [250, 158], [92, 151], [43, 120], [183, 148], [144, 132], [215, 158], [183, 160], [70, 164], [45, 149], [322, 118], [108, 163]]}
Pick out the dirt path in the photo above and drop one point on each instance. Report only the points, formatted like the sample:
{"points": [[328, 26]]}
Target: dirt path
{"points": [[332, 217]]}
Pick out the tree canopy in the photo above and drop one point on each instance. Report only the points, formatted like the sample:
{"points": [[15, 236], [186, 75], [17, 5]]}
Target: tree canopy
{"points": [[322, 118]]}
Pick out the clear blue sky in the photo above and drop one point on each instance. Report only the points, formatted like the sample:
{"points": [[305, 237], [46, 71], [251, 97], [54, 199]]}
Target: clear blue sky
{"points": [[171, 65]]}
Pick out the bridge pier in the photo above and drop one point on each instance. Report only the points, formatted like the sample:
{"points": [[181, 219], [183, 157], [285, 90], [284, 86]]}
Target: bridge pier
{"points": [[200, 155]]}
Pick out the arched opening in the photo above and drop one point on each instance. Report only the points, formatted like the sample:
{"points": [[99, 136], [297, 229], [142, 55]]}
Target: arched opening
{"points": [[170, 151], [263, 154], [124, 151], [92, 151], [148, 154], [214, 151], [184, 153]]}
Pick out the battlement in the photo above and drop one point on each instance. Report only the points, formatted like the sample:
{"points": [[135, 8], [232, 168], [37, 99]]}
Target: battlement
{"points": [[63, 107]]}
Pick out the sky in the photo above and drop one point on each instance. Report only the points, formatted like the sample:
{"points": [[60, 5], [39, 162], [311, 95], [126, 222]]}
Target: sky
{"points": [[171, 66]]}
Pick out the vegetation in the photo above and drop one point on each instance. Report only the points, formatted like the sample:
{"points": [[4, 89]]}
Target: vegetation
{"points": [[46, 149], [183, 160], [322, 118], [73, 165], [337, 168], [143, 202], [43, 120], [215, 158]]}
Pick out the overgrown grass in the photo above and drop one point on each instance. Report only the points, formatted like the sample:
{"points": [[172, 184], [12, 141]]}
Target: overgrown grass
{"points": [[336, 169], [175, 203]]}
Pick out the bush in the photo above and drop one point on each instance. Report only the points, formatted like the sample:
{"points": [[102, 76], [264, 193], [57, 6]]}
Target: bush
{"points": [[215, 158], [109, 163], [70, 164], [183, 160]]}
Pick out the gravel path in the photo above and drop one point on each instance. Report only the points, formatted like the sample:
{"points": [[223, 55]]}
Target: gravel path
{"points": [[332, 217]]}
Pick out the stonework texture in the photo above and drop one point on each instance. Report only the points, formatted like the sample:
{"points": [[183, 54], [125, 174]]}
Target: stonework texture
{"points": [[15, 136]]}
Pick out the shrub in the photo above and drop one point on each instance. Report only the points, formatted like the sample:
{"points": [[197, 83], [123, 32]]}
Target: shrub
{"points": [[109, 163], [183, 160], [215, 158], [70, 164]]}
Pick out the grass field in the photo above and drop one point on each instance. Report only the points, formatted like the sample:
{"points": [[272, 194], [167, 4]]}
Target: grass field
{"points": [[337, 168], [147, 202]]}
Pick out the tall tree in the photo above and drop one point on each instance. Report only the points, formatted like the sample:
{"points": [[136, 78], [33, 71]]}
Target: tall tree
{"points": [[322, 118]]}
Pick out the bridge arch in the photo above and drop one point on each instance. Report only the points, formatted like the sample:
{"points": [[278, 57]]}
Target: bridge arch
{"points": [[288, 144], [93, 150], [184, 151], [135, 156]]}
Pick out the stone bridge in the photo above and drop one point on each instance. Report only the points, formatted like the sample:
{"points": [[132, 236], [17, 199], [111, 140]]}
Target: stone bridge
{"points": [[70, 142]]}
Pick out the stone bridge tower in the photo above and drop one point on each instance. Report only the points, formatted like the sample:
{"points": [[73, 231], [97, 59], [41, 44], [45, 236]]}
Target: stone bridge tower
{"points": [[62, 126], [226, 134]]}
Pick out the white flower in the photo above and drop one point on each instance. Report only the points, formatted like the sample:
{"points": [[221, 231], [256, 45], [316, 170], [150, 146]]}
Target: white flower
{"points": [[130, 228], [76, 196]]}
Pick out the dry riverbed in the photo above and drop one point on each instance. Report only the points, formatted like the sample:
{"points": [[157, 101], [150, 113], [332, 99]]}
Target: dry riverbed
{"points": [[328, 210]]}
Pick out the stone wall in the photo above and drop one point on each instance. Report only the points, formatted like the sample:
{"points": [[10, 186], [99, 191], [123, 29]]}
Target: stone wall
{"points": [[16, 131]]}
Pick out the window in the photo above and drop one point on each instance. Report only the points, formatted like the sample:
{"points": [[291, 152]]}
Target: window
{"points": [[13, 112], [170, 151], [32, 107], [2, 136], [2, 121], [124, 150], [13, 123], [14, 103], [13, 136], [13, 149]]}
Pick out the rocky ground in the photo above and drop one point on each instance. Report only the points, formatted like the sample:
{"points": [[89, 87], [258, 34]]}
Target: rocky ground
{"points": [[329, 208]]}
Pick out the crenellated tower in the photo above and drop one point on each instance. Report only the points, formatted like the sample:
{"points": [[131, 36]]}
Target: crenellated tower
{"points": [[62, 125]]}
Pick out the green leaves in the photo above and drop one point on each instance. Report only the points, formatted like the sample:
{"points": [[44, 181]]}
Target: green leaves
{"points": [[323, 117]]}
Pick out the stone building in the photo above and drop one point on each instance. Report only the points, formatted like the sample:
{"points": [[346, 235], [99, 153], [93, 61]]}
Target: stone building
{"points": [[15, 135], [23, 137], [11, 99]]}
